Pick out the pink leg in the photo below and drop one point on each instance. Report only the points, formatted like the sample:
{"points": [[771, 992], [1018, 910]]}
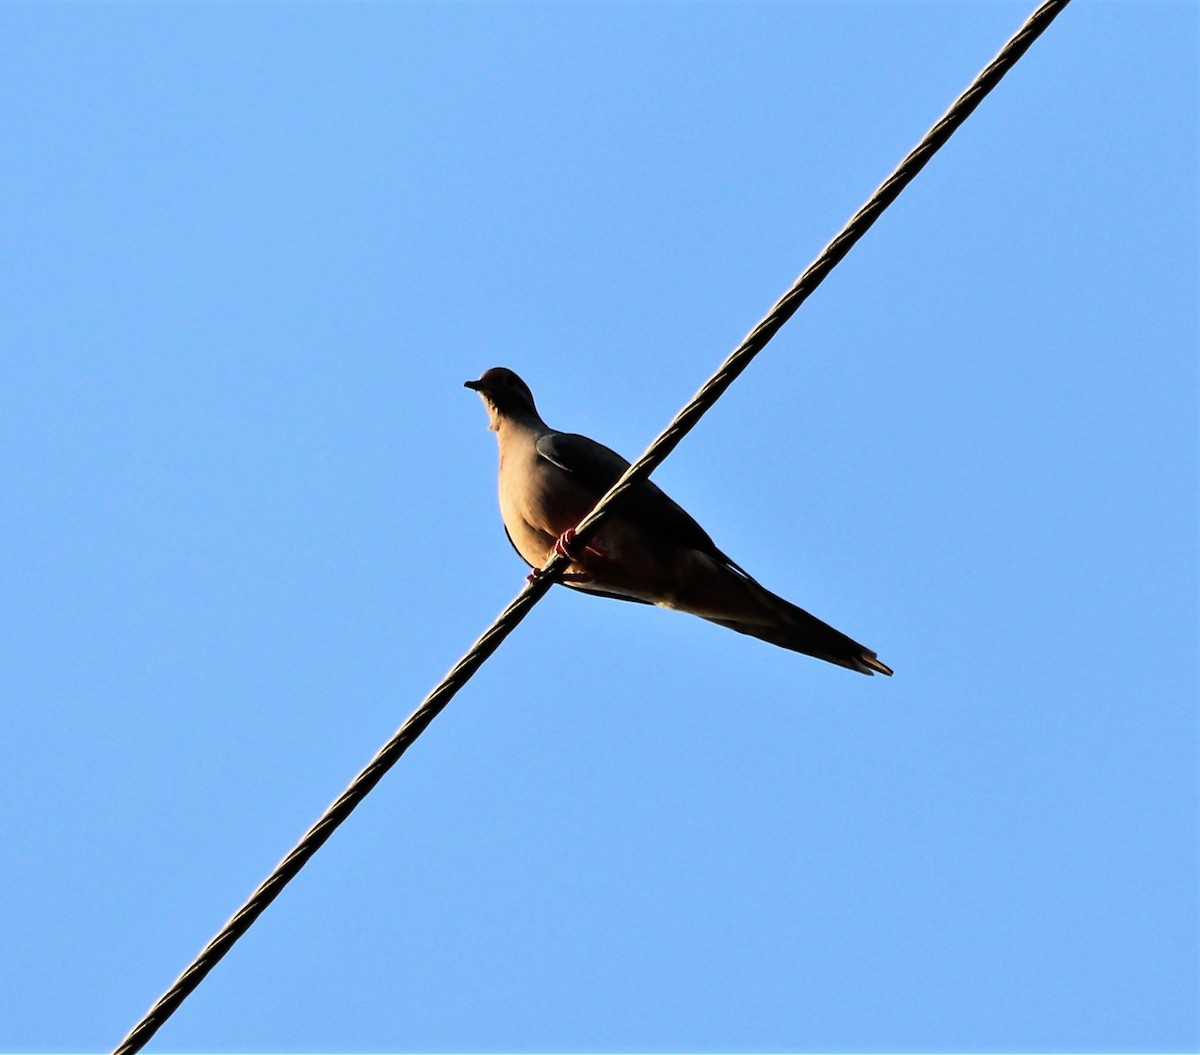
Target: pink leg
{"points": [[565, 546]]}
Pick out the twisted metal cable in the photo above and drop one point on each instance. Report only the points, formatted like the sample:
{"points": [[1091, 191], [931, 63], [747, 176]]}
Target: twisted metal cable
{"points": [[534, 590], [826, 260]]}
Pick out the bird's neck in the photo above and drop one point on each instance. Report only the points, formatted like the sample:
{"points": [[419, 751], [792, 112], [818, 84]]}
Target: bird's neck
{"points": [[505, 425]]}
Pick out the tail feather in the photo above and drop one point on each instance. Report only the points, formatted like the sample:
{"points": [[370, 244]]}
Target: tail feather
{"points": [[795, 629], [710, 585]]}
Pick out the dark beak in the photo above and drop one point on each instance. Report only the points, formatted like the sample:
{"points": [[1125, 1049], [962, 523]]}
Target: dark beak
{"points": [[475, 386]]}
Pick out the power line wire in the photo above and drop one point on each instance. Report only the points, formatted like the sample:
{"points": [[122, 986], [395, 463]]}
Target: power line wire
{"points": [[667, 440]]}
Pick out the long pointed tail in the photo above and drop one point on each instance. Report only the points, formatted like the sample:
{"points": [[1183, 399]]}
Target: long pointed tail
{"points": [[793, 628]]}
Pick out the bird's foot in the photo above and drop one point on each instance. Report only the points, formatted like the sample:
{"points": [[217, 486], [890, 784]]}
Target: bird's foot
{"points": [[566, 546]]}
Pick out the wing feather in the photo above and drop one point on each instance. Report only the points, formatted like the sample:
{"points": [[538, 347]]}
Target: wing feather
{"points": [[652, 512]]}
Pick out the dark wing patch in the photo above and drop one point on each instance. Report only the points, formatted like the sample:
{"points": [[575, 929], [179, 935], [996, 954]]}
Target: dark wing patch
{"points": [[597, 468], [591, 463]]}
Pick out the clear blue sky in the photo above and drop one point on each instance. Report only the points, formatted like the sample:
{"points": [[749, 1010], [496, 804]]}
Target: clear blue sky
{"points": [[251, 252]]}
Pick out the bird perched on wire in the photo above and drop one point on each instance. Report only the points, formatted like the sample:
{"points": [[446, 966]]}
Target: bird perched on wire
{"points": [[647, 549]]}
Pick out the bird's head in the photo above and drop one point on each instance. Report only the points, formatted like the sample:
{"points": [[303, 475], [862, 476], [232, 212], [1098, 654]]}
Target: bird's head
{"points": [[505, 395]]}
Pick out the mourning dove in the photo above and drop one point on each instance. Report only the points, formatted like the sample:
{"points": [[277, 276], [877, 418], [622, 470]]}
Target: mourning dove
{"points": [[647, 549]]}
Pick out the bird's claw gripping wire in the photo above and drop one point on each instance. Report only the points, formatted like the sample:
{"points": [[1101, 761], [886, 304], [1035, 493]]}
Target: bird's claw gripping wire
{"points": [[566, 546]]}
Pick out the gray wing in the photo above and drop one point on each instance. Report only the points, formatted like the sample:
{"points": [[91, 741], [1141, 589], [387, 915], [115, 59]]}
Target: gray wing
{"points": [[597, 468]]}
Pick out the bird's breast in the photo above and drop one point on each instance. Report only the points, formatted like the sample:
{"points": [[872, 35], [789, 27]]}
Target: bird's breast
{"points": [[538, 502]]}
